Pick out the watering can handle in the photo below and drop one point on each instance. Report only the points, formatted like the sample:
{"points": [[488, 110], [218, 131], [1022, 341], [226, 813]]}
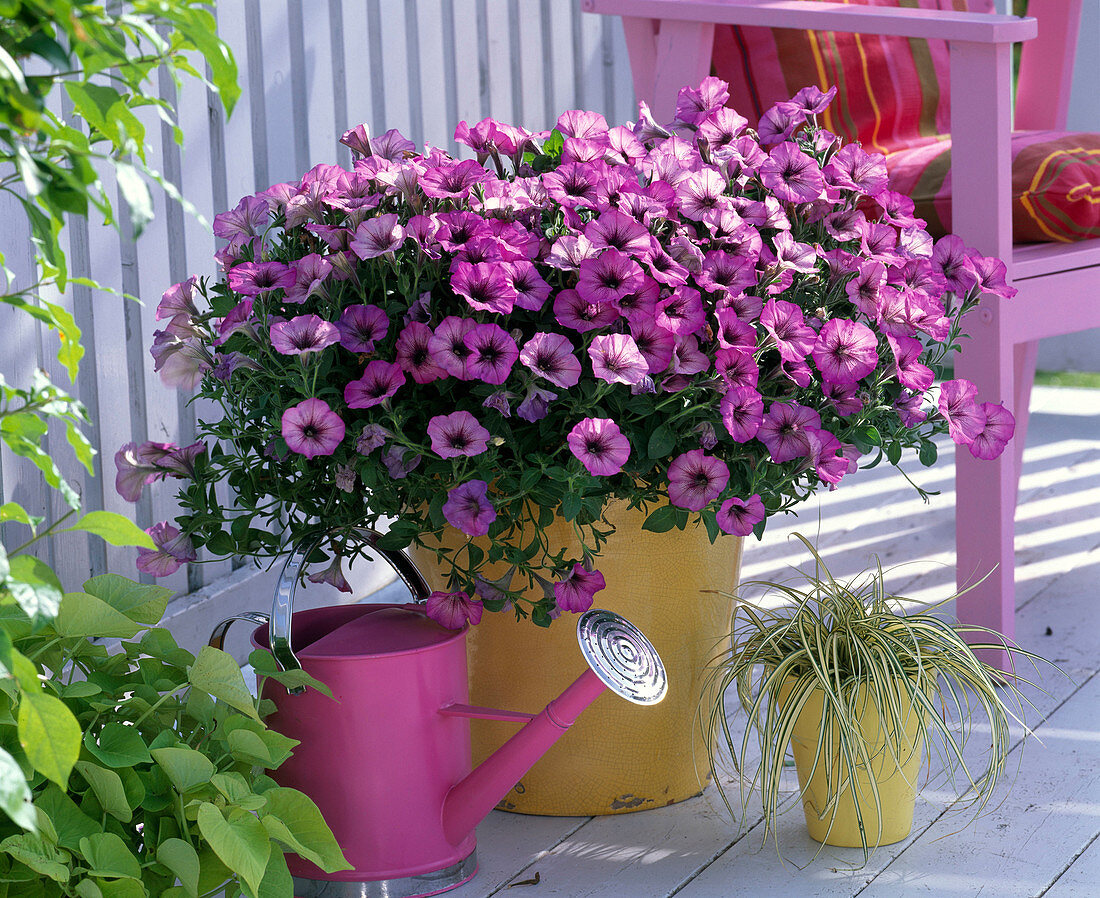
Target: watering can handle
{"points": [[217, 635], [282, 607]]}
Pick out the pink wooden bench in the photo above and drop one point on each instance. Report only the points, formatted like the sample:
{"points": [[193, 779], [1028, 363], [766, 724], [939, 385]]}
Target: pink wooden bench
{"points": [[670, 44]]}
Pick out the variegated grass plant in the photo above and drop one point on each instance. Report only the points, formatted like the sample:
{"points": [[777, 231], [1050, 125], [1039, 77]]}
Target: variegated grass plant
{"points": [[836, 637]]}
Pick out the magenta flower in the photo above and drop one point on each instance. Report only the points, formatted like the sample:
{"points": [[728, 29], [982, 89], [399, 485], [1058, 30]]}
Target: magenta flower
{"points": [[608, 276], [453, 609], [656, 344], [742, 410], [582, 123], [379, 381], [783, 430], [180, 363], [493, 352], [360, 326], [616, 359], [737, 367], [957, 404], [239, 320], [468, 508], [448, 348], [333, 575], [370, 438], [256, 278], [616, 230], [739, 516], [458, 433], [784, 323], [696, 479], [452, 180], [600, 445], [310, 274], [172, 550], [725, 272], [693, 105], [997, 430], [951, 260], [791, 175], [701, 192], [529, 286], [853, 168], [399, 461], [414, 354], [377, 236], [303, 334], [486, 285], [576, 590], [790, 255], [682, 312], [178, 300], [910, 372], [536, 404], [573, 311], [312, 428], [137, 465], [846, 351], [550, 356], [249, 218]]}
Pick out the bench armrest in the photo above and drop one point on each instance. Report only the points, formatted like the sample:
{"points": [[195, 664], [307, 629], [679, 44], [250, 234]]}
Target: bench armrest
{"points": [[810, 14]]}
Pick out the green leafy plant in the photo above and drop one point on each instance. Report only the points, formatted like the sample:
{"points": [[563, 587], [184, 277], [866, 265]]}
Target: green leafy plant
{"points": [[102, 62], [139, 770], [848, 645]]}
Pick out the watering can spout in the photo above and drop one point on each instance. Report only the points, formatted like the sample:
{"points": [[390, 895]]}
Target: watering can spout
{"points": [[620, 658]]}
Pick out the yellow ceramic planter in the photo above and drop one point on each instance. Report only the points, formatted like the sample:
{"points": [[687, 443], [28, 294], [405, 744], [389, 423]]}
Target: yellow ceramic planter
{"points": [[618, 757], [896, 756]]}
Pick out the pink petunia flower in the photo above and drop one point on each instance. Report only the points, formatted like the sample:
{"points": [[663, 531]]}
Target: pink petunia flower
{"points": [[599, 444], [493, 352], [453, 610], [656, 344], [303, 334], [742, 411], [360, 326], [845, 351], [696, 479], [414, 355], [739, 516], [256, 278], [452, 180], [997, 430], [448, 348], [377, 236], [616, 230], [468, 508], [783, 430], [957, 404], [785, 325], [574, 312], [310, 274], [486, 285], [529, 286], [333, 575], [608, 276], [550, 356], [458, 433], [312, 428], [907, 365], [682, 312], [172, 550], [379, 381], [577, 589], [178, 300], [616, 359], [791, 175]]}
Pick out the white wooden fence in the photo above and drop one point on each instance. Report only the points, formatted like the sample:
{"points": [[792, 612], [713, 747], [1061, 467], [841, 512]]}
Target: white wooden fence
{"points": [[309, 70]]}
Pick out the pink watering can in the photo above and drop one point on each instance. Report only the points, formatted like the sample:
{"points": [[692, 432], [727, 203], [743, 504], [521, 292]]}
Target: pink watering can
{"points": [[387, 759]]}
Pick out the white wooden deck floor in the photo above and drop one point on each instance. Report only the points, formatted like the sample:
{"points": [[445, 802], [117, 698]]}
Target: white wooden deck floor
{"points": [[1040, 839]]}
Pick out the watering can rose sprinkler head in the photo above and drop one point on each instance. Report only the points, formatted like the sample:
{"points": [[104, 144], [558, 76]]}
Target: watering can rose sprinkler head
{"points": [[387, 759]]}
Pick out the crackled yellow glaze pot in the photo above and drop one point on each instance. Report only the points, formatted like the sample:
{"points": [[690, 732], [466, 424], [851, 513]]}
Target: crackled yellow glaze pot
{"points": [[617, 757]]}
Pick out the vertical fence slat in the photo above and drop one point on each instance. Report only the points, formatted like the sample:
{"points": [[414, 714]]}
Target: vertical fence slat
{"points": [[338, 84], [438, 92]]}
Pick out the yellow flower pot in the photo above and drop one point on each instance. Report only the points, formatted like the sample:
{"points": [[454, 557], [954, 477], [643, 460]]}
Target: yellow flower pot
{"points": [[830, 799], [617, 757]]}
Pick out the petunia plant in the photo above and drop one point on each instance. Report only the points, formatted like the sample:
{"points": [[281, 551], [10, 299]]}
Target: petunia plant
{"points": [[704, 321]]}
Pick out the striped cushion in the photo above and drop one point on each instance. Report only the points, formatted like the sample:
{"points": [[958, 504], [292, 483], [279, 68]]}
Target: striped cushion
{"points": [[889, 100], [1055, 185]]}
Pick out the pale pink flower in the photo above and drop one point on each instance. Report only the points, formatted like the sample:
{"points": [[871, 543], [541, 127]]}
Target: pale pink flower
{"points": [[576, 590], [600, 445], [468, 508], [696, 479], [458, 433], [453, 610], [739, 516], [616, 359], [312, 428], [172, 550]]}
